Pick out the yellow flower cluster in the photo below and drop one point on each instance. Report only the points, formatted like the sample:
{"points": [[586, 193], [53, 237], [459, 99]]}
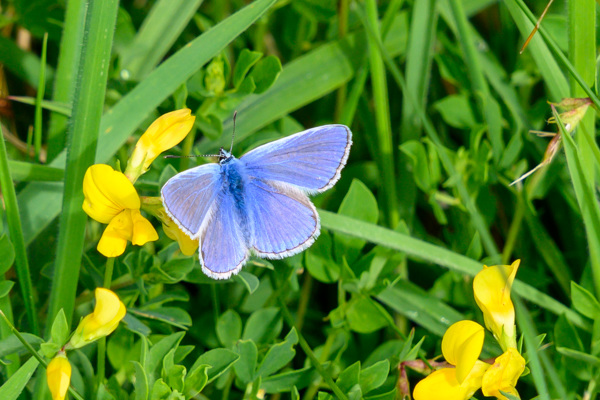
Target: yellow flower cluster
{"points": [[105, 318], [110, 197], [463, 341]]}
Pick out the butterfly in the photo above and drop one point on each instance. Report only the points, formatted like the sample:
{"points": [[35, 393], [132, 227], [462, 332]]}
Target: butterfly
{"points": [[257, 204]]}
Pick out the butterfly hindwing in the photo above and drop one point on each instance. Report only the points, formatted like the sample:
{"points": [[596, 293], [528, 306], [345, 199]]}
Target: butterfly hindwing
{"points": [[310, 160], [223, 249], [283, 220], [189, 197]]}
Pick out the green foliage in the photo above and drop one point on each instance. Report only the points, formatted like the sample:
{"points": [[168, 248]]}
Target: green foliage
{"points": [[440, 103]]}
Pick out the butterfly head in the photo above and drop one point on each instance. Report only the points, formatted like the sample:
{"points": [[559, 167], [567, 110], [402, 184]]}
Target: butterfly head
{"points": [[224, 156]]}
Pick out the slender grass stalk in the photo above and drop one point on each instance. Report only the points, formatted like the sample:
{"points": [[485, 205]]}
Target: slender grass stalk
{"points": [[16, 236], [68, 64], [476, 217], [385, 141], [101, 367], [586, 198], [340, 96], [484, 99], [83, 135], [38, 100]]}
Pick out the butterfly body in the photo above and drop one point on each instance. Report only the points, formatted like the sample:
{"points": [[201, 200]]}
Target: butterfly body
{"points": [[257, 204]]}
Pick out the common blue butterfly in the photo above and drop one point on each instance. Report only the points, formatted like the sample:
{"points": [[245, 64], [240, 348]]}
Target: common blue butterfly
{"points": [[258, 203]]}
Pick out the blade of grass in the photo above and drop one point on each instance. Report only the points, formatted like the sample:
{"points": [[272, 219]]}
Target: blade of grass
{"points": [[421, 250], [22, 171], [68, 64], [419, 56], [586, 198], [41, 201], [61, 108], [164, 23], [23, 64], [556, 82], [582, 54], [476, 217], [385, 140], [16, 236], [88, 103], [488, 107], [37, 133]]}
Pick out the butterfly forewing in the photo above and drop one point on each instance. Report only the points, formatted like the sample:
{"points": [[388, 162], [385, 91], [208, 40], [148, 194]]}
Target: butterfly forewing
{"points": [[310, 160], [284, 221], [189, 196]]}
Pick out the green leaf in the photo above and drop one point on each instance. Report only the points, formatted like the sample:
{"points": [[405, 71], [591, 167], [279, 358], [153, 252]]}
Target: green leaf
{"points": [[263, 325], [160, 391], [374, 376], [172, 373], [219, 360], [319, 260], [195, 381], [359, 203], [250, 281], [567, 337], [585, 358], [209, 125], [11, 344], [456, 111], [299, 378], [141, 382], [246, 59], [584, 301], [159, 351], [8, 254], [265, 73], [246, 365], [171, 315], [415, 150], [60, 329], [13, 387], [279, 355], [229, 328], [5, 288], [349, 377], [363, 316]]}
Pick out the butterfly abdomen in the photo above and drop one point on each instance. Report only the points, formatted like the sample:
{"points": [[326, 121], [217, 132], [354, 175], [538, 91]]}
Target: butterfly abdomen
{"points": [[235, 181]]}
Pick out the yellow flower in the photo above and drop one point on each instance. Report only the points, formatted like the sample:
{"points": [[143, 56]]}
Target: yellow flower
{"points": [[165, 132], [154, 206], [109, 311], [503, 375], [461, 346], [492, 287], [110, 198], [443, 385], [58, 374]]}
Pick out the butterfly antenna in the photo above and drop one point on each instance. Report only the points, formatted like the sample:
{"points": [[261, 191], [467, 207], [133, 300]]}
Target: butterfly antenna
{"points": [[191, 156], [233, 134]]}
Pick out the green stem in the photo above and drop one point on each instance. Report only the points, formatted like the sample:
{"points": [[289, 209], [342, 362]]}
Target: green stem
{"points": [[513, 231], [88, 106], [382, 119], [304, 299], [310, 354], [16, 236], [215, 303], [38, 99], [340, 99], [101, 369]]}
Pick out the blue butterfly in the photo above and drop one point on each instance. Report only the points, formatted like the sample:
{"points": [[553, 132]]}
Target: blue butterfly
{"points": [[257, 204]]}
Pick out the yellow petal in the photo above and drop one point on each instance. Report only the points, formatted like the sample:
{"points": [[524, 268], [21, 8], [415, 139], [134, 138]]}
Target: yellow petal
{"points": [[108, 312], [58, 374], [107, 192], [443, 385], [461, 346], [115, 236], [504, 374], [164, 133], [143, 231], [186, 245], [491, 288]]}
